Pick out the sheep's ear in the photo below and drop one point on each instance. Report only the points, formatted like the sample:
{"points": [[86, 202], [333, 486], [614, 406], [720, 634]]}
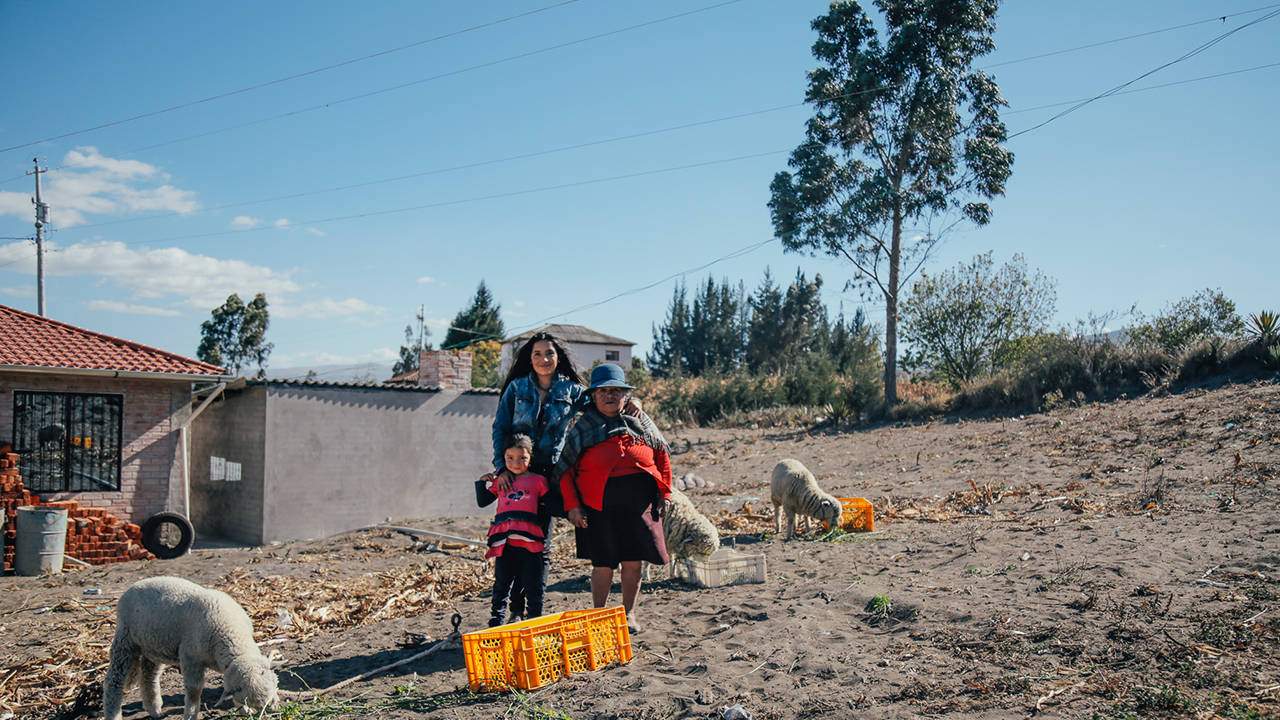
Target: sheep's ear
{"points": [[225, 694], [276, 662]]}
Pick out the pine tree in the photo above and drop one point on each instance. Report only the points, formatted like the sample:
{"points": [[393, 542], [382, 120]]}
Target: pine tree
{"points": [[718, 338], [669, 355], [480, 321]]}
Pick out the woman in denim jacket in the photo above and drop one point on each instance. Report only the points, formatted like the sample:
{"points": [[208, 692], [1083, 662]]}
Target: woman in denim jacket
{"points": [[540, 397]]}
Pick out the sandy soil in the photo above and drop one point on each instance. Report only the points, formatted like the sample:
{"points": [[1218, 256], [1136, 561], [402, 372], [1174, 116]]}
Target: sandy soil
{"points": [[1098, 561]]}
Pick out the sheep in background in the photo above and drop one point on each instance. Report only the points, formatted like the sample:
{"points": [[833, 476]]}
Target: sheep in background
{"points": [[170, 621], [795, 492]]}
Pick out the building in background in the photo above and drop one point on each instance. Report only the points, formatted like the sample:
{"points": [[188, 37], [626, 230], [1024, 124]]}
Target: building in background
{"points": [[589, 346]]}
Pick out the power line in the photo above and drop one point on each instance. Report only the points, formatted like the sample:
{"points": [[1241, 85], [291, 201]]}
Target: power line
{"points": [[1219, 18], [595, 143], [1117, 88], [447, 203], [1145, 89], [393, 88], [468, 166], [1077, 103], [535, 154], [289, 78]]}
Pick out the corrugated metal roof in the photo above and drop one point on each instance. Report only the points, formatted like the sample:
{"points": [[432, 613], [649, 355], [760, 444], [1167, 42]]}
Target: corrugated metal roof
{"points": [[573, 334], [361, 385], [31, 341]]}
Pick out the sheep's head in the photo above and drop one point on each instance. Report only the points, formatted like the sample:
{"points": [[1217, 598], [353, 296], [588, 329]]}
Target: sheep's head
{"points": [[251, 683], [829, 513], [700, 543]]}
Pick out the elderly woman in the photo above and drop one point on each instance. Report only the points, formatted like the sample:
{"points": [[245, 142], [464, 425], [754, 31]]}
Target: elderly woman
{"points": [[615, 476]]}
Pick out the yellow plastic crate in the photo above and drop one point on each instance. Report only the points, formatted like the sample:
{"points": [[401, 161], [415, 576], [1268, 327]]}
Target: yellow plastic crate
{"points": [[856, 515], [533, 653]]}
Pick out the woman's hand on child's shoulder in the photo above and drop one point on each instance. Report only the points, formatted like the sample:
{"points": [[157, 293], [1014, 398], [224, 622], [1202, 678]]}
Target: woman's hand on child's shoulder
{"points": [[500, 481]]}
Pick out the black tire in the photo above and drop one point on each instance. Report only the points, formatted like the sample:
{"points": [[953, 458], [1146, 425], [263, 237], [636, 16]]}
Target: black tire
{"points": [[154, 527]]}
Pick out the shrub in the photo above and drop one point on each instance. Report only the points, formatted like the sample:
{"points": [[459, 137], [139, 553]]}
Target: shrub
{"points": [[1207, 315]]}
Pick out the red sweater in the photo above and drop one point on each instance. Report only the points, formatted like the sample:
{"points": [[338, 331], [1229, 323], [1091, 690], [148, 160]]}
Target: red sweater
{"points": [[583, 484]]}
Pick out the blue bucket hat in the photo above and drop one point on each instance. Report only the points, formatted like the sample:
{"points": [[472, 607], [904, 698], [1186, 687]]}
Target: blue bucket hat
{"points": [[608, 375]]}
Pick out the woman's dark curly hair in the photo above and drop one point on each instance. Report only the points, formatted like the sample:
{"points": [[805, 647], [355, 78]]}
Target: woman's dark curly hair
{"points": [[523, 364]]}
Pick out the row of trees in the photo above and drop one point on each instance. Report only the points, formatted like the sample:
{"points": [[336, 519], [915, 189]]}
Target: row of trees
{"points": [[723, 330]]}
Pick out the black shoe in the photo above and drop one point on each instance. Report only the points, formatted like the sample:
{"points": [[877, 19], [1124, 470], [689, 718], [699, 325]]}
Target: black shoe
{"points": [[495, 621]]}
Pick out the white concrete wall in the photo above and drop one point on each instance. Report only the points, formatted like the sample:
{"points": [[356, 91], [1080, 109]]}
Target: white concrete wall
{"points": [[336, 459]]}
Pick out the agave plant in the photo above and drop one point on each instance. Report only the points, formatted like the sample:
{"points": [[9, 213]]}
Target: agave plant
{"points": [[1265, 326]]}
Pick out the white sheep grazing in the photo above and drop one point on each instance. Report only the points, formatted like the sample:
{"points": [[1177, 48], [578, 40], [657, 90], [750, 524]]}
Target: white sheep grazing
{"points": [[170, 621], [795, 492], [688, 532]]}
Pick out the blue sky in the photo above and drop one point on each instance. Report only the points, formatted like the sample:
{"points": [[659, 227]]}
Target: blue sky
{"points": [[388, 155]]}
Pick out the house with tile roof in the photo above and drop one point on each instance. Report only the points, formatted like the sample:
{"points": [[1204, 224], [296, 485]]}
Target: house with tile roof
{"points": [[589, 347], [95, 418]]}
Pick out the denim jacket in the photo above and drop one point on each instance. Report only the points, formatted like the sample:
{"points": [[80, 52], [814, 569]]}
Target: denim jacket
{"points": [[548, 424]]}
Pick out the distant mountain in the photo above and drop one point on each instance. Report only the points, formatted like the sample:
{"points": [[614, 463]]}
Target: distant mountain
{"points": [[375, 372]]}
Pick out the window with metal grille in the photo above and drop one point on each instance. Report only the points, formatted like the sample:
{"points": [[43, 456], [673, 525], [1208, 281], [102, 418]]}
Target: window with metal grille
{"points": [[67, 442]]}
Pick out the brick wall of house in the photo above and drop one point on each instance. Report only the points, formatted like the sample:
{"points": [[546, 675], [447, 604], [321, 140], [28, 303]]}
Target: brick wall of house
{"points": [[151, 460], [445, 369]]}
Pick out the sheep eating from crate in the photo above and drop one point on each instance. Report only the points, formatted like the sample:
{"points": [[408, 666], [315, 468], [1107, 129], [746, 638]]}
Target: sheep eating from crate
{"points": [[795, 492], [170, 621], [687, 532]]}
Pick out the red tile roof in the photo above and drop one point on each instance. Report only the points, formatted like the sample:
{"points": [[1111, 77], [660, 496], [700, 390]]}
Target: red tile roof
{"points": [[28, 340]]}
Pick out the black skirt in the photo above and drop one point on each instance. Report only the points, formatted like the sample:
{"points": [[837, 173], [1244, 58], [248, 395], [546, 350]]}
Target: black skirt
{"points": [[627, 527]]}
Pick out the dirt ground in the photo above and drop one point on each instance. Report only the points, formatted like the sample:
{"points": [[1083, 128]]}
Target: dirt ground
{"points": [[1105, 560]]}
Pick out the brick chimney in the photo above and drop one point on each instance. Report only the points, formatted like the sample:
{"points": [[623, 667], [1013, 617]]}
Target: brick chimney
{"points": [[445, 369]]}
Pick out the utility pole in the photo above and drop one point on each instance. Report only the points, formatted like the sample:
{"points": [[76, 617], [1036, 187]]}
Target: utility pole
{"points": [[42, 219]]}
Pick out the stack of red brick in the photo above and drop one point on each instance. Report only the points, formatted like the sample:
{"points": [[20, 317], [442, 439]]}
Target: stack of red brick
{"points": [[93, 535]]}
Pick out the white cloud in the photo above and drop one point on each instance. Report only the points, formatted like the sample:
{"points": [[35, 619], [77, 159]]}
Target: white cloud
{"points": [[282, 223], [119, 307], [181, 278], [196, 281], [326, 308], [244, 222], [511, 313], [518, 303], [426, 279], [18, 205], [91, 184], [315, 231], [24, 291]]}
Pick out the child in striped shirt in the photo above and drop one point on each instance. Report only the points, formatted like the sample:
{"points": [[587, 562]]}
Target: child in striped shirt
{"points": [[515, 535]]}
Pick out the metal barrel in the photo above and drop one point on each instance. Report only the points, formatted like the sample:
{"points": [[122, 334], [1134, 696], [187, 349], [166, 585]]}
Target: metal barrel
{"points": [[41, 539]]}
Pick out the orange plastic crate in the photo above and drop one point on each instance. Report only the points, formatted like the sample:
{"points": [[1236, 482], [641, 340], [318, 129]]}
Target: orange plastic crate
{"points": [[856, 515], [533, 653]]}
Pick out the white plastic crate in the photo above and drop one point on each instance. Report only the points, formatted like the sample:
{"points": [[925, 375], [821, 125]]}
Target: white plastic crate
{"points": [[725, 566]]}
